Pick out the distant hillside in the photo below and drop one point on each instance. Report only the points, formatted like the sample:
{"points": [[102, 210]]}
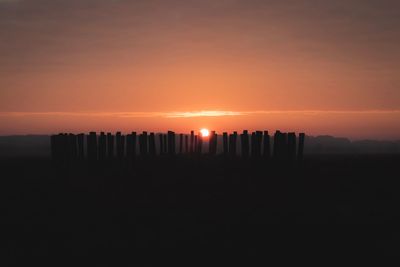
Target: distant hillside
{"points": [[24, 145], [326, 144]]}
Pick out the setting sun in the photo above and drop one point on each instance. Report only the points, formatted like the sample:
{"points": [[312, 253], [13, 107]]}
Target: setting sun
{"points": [[204, 132]]}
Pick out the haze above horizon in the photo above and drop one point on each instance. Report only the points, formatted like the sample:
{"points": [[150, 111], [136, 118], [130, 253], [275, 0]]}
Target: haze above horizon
{"points": [[322, 67]]}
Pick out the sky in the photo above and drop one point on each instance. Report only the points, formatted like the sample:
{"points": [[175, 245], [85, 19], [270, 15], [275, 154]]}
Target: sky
{"points": [[321, 67]]}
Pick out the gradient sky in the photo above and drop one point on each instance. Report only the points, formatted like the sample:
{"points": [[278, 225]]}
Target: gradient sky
{"points": [[323, 67]]}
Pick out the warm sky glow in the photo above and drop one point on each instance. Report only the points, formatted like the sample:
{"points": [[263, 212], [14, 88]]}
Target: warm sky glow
{"points": [[324, 67]]}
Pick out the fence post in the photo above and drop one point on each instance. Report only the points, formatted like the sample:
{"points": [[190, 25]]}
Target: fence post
{"points": [[291, 146], [267, 145], [81, 153], [180, 143], [120, 145], [232, 144], [244, 140], [110, 145], [92, 146], [186, 144], [192, 142], [171, 143], [301, 147], [225, 143], [102, 146], [152, 145]]}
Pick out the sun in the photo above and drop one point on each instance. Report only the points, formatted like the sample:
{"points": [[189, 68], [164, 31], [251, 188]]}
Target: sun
{"points": [[204, 132]]}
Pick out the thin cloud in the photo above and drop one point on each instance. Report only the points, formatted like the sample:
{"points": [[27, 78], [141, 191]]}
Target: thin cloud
{"points": [[195, 114]]}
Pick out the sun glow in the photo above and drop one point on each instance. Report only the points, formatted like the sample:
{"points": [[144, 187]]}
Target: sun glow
{"points": [[204, 132]]}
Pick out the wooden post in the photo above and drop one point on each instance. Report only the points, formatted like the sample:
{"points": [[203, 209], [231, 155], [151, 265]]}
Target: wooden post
{"points": [[72, 148], [285, 146], [110, 145], [120, 145], [131, 145], [102, 146], [143, 144], [232, 144], [301, 146], [245, 143], [180, 143], [134, 141], [160, 136], [276, 147], [225, 143], [291, 146], [81, 153], [266, 145], [64, 145], [192, 142], [213, 142], [186, 144], [258, 143], [199, 144], [152, 145], [171, 143], [165, 143], [92, 146], [195, 145]]}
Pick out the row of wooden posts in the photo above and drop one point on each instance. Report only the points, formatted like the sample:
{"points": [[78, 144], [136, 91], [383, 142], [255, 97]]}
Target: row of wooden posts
{"points": [[66, 147]]}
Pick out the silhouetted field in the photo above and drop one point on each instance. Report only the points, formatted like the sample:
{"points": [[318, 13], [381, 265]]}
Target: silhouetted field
{"points": [[199, 207]]}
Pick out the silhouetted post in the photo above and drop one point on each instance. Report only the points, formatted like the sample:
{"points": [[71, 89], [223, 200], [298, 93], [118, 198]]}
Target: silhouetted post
{"points": [[195, 145], [186, 144], [143, 144], [92, 146], [285, 146], [215, 143], [267, 145], [200, 141], [81, 153], [161, 137], [64, 147], [165, 143], [152, 145], [212, 143], [244, 139], [134, 141], [291, 146], [180, 143], [72, 148], [276, 147], [232, 144], [192, 141], [259, 136], [110, 145], [120, 145], [171, 143], [301, 146], [131, 145], [102, 146], [225, 143], [253, 144]]}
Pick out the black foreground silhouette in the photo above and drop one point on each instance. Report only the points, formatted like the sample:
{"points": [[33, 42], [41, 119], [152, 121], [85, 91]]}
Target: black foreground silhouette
{"points": [[198, 206]]}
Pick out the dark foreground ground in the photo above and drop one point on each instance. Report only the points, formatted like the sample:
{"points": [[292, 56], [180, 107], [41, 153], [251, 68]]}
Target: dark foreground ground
{"points": [[202, 211]]}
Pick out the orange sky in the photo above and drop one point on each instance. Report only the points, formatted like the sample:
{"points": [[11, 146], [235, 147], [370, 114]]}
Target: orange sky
{"points": [[77, 65]]}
